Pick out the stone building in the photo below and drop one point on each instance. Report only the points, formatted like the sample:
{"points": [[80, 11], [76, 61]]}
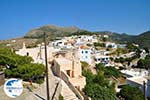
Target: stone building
{"points": [[69, 70]]}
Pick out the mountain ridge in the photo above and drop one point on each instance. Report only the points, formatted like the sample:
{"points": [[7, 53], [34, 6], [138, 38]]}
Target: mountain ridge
{"points": [[53, 32]]}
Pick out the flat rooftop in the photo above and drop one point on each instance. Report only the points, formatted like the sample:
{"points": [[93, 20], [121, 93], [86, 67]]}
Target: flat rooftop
{"points": [[63, 61], [135, 73], [138, 80]]}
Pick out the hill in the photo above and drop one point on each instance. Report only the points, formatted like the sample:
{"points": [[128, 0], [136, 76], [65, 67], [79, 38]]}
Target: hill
{"points": [[121, 38], [143, 39], [51, 31]]}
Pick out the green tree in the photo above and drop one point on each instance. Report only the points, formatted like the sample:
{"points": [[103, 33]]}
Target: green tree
{"points": [[121, 60], [16, 66], [144, 63], [97, 92], [131, 47], [131, 93], [98, 87], [101, 80], [104, 39], [111, 71], [100, 67], [99, 44], [89, 76], [7, 57]]}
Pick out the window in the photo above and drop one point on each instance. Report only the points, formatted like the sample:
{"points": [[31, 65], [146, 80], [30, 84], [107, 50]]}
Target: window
{"points": [[96, 59], [103, 59], [27, 53], [86, 57], [82, 52], [68, 72]]}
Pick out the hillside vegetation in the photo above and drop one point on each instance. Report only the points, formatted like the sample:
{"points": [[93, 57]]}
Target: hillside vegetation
{"points": [[143, 39]]}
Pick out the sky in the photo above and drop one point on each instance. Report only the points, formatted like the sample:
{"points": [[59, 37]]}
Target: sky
{"points": [[17, 17]]}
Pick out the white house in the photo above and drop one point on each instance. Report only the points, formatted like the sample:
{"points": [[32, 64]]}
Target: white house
{"points": [[121, 45], [85, 54], [102, 59], [106, 36], [137, 77], [111, 45], [37, 53], [135, 73], [60, 43], [101, 52], [92, 39]]}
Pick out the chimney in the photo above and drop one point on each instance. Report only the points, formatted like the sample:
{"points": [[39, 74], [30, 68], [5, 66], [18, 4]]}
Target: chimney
{"points": [[24, 45]]}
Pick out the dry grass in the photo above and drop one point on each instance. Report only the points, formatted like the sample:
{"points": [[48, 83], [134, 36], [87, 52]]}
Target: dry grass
{"points": [[17, 43]]}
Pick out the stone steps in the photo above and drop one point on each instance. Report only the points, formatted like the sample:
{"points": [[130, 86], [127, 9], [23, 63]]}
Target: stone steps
{"points": [[67, 92]]}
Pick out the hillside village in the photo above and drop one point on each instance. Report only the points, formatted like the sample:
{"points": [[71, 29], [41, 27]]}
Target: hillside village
{"points": [[67, 55], [75, 50]]}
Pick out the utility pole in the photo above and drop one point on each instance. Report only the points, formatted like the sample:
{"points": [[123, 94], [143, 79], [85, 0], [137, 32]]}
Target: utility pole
{"points": [[46, 63]]}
